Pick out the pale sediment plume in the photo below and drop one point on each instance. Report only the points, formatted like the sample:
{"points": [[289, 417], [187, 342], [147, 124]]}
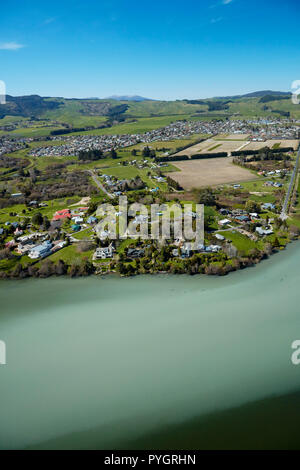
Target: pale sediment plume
{"points": [[96, 353]]}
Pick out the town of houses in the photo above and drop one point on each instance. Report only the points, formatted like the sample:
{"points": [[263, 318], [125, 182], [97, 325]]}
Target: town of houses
{"points": [[39, 245], [258, 130]]}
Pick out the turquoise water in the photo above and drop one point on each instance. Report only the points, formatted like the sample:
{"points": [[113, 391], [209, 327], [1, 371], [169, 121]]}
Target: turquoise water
{"points": [[96, 362]]}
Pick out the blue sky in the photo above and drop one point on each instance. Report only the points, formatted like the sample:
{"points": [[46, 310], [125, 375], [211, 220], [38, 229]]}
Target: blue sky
{"points": [[160, 49]]}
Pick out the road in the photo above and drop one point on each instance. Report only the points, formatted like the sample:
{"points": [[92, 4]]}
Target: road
{"points": [[99, 184], [283, 214]]}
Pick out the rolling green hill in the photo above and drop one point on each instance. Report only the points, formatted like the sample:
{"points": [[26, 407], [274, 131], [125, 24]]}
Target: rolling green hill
{"points": [[39, 116]]}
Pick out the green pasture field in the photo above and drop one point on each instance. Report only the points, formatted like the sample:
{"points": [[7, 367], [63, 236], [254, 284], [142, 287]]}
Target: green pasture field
{"points": [[139, 126], [241, 242], [53, 206]]}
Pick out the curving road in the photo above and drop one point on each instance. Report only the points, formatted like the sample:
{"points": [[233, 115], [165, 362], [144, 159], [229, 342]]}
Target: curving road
{"points": [[283, 214], [99, 184]]}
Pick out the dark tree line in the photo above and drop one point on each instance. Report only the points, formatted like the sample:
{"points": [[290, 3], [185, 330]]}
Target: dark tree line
{"points": [[91, 155]]}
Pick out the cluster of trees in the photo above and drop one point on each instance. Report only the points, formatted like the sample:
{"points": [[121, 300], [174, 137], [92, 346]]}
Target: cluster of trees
{"points": [[264, 150], [218, 105], [212, 105], [40, 221], [93, 155], [148, 153], [13, 163], [27, 106], [252, 206], [173, 184], [268, 98], [172, 158], [69, 183], [213, 264], [70, 130], [155, 260], [115, 112], [132, 185], [205, 196], [51, 183], [48, 268], [282, 113], [199, 156], [90, 155]]}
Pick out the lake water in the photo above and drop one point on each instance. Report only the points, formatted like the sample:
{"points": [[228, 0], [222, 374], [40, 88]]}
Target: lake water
{"points": [[106, 363]]}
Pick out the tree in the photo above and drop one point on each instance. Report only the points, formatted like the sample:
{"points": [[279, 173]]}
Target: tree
{"points": [[85, 268], [146, 152], [46, 269], [92, 208], [60, 268], [134, 152], [46, 223], [206, 196], [37, 219], [252, 206], [208, 221], [113, 154], [90, 155]]}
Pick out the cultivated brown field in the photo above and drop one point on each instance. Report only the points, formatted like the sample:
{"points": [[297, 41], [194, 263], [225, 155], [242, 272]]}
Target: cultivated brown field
{"points": [[232, 137], [209, 172], [198, 148], [270, 143], [213, 146], [227, 146]]}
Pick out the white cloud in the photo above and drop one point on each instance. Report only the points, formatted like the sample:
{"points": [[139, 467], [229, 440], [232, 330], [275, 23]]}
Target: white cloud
{"points": [[216, 20], [220, 3], [11, 46]]}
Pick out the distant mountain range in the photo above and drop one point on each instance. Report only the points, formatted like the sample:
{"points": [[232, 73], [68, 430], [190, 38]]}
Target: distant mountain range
{"points": [[256, 94], [128, 98], [83, 112]]}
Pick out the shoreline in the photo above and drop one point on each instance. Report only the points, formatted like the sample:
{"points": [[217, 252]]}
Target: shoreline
{"points": [[250, 263]]}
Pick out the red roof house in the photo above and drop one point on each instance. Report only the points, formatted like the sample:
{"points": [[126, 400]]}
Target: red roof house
{"points": [[63, 214]]}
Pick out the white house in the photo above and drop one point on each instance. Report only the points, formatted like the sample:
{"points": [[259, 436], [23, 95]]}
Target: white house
{"points": [[224, 222]]}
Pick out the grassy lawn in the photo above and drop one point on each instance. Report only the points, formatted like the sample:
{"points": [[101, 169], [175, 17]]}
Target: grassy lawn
{"points": [[83, 234], [241, 242], [258, 185], [125, 244], [171, 145], [130, 172], [8, 264], [70, 255], [139, 126], [53, 206], [276, 146]]}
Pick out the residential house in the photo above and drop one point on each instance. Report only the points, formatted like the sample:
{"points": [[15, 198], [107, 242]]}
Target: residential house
{"points": [[41, 251], [224, 222], [104, 252], [92, 220], [219, 237], [262, 231], [135, 252], [268, 206], [63, 214]]}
